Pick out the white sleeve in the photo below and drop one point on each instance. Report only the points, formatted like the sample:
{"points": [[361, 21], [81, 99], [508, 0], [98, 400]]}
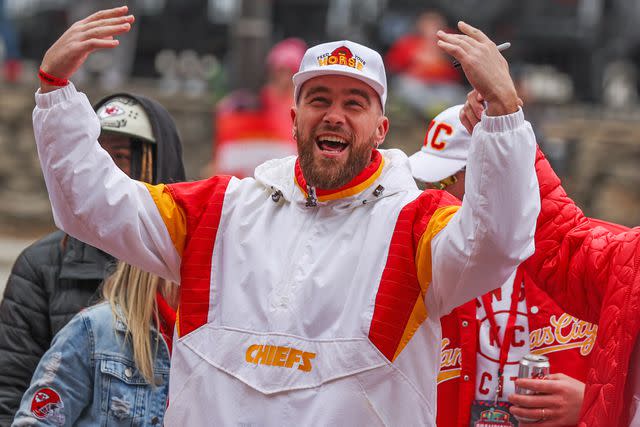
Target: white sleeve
{"points": [[92, 199], [492, 233]]}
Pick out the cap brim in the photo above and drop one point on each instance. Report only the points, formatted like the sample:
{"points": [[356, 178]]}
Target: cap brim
{"points": [[302, 77], [429, 168], [123, 133]]}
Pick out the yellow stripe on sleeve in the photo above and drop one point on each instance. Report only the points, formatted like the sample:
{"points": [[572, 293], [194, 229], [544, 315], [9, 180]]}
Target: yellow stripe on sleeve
{"points": [[437, 222], [172, 215], [177, 325]]}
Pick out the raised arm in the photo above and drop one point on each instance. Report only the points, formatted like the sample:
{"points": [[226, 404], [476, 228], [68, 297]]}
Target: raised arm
{"points": [[92, 199], [574, 254], [492, 233]]}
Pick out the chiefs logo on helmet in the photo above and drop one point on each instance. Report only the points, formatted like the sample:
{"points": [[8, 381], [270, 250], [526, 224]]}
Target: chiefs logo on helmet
{"points": [[110, 110], [47, 404]]}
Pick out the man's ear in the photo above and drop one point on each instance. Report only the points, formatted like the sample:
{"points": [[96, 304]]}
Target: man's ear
{"points": [[294, 128], [381, 131]]}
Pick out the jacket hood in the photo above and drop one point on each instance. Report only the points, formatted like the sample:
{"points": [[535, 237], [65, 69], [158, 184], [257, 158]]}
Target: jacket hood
{"points": [[168, 163], [279, 176]]}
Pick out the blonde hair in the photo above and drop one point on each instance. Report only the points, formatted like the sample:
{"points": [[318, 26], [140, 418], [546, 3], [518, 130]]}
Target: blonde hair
{"points": [[146, 167], [131, 293]]}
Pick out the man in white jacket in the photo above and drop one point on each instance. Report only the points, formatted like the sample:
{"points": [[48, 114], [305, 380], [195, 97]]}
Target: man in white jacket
{"points": [[310, 294]]}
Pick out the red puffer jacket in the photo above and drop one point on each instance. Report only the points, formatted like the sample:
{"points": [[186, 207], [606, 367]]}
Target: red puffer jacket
{"points": [[593, 274]]}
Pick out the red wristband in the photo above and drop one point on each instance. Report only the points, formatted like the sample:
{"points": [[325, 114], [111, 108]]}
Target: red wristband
{"points": [[51, 80]]}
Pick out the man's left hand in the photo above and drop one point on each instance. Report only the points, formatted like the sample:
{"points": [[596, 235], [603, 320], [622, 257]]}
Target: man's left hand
{"points": [[557, 404]]}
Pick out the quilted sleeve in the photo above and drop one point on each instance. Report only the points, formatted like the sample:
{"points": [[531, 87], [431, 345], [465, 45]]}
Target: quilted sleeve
{"points": [[24, 330], [575, 257]]}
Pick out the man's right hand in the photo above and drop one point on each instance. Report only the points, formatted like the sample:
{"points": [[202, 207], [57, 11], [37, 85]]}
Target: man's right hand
{"points": [[484, 66], [92, 33]]}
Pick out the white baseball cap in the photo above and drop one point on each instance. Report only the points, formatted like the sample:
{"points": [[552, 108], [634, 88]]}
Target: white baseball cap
{"points": [[125, 116], [344, 58], [445, 148]]}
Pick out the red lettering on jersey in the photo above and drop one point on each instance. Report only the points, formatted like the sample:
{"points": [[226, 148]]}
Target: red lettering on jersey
{"points": [[493, 336], [517, 342], [485, 376]]}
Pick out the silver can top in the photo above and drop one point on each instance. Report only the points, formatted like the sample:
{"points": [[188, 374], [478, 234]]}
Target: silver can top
{"points": [[535, 359]]}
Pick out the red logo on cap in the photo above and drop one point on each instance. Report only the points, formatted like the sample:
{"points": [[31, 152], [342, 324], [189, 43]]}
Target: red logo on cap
{"points": [[342, 51], [341, 56]]}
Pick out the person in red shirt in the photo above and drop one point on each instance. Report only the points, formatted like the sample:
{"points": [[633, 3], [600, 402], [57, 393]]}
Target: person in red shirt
{"points": [[591, 269], [484, 339], [250, 130], [422, 74]]}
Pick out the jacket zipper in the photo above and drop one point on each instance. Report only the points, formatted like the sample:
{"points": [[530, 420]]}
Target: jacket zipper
{"points": [[302, 233]]}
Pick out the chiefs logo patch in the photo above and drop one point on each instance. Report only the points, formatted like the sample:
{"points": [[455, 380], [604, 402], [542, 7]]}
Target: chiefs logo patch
{"points": [[111, 110], [47, 405]]}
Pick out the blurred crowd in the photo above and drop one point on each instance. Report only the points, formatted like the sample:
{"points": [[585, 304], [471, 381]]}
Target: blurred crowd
{"points": [[64, 292]]}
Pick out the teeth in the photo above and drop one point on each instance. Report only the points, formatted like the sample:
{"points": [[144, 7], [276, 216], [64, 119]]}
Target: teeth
{"points": [[332, 139]]}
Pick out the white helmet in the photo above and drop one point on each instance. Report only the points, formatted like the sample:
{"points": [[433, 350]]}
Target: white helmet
{"points": [[125, 116]]}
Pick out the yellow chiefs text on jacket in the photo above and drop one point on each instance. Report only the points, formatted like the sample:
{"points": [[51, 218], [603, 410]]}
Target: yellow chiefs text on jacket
{"points": [[274, 355]]}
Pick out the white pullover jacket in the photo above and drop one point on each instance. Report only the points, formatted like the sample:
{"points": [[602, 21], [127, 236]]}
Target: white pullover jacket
{"points": [[300, 309]]}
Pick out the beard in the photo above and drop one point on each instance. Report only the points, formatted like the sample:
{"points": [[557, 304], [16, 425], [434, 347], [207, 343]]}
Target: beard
{"points": [[328, 173]]}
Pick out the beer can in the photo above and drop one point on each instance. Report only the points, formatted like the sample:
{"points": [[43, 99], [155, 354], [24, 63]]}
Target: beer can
{"points": [[535, 366]]}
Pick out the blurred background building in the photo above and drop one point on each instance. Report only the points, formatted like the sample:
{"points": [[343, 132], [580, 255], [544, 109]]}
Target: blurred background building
{"points": [[576, 63]]}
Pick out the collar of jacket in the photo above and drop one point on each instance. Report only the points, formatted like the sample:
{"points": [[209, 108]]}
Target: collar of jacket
{"points": [[84, 262], [387, 174], [361, 182]]}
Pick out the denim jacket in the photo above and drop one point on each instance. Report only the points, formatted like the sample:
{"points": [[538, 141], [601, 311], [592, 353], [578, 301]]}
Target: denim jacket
{"points": [[88, 378]]}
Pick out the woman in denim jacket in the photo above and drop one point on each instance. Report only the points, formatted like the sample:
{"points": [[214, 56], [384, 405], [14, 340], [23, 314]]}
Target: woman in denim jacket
{"points": [[110, 365]]}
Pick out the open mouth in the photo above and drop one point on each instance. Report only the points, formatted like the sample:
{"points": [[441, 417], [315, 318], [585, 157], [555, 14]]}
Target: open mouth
{"points": [[331, 144]]}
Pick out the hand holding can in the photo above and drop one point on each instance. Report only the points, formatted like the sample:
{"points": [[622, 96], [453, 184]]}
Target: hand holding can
{"points": [[534, 366]]}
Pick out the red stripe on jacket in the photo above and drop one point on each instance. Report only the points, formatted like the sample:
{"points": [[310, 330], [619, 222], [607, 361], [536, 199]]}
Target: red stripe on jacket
{"points": [[399, 287], [202, 203]]}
